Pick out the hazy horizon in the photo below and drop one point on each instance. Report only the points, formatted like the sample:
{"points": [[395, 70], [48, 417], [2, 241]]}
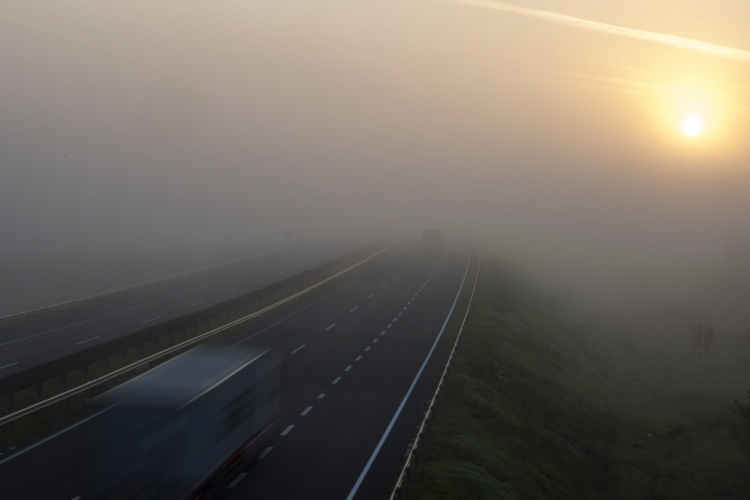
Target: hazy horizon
{"points": [[550, 130]]}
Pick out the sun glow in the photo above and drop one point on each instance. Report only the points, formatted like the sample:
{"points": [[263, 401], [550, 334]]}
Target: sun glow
{"points": [[692, 126]]}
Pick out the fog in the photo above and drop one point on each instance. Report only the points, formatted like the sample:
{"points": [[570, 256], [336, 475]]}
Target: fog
{"points": [[135, 126]]}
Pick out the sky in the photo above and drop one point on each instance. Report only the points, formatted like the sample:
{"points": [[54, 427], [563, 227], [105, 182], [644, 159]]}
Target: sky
{"points": [[550, 130]]}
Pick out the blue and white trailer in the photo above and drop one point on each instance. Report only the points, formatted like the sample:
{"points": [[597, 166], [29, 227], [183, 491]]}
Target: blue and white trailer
{"points": [[182, 429]]}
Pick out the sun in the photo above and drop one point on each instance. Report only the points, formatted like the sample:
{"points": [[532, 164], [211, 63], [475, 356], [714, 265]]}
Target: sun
{"points": [[692, 126]]}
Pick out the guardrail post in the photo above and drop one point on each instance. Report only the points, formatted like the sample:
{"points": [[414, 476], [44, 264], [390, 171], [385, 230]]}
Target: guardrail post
{"points": [[408, 475], [39, 387], [65, 374], [12, 391]]}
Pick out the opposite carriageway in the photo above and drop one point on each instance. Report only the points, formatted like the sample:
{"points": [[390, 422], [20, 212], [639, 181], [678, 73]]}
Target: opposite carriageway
{"points": [[31, 343]]}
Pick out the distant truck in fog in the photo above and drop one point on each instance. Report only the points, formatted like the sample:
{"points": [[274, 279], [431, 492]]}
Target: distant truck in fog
{"points": [[432, 242], [182, 429]]}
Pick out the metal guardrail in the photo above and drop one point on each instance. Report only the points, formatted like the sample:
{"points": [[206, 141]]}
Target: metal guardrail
{"points": [[412, 457], [170, 350], [132, 287]]}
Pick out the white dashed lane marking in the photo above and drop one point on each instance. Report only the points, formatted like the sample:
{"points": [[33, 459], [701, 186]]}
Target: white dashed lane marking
{"points": [[287, 430], [297, 349], [367, 348], [354, 309], [236, 481], [336, 380], [265, 452], [332, 325], [348, 368], [370, 295], [358, 358], [307, 410]]}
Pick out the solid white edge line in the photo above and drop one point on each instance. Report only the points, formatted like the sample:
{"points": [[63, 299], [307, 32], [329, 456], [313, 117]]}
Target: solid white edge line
{"points": [[8, 366], [88, 340], [408, 393], [150, 320]]}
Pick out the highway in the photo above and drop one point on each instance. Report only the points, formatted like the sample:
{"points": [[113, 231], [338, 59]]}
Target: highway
{"points": [[362, 359], [29, 344]]}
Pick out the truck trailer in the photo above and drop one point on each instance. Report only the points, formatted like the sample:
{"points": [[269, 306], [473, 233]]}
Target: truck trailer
{"points": [[182, 429]]}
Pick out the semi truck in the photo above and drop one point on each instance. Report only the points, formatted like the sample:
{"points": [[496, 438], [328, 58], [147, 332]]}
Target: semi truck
{"points": [[182, 429]]}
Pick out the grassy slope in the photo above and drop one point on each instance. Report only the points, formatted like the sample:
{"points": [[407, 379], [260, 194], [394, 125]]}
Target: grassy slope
{"points": [[538, 408]]}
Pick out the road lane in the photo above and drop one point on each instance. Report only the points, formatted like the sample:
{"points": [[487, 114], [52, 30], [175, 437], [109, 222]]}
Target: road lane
{"points": [[323, 451], [34, 343]]}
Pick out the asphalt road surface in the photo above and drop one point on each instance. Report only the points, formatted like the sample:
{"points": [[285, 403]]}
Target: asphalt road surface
{"points": [[30, 344], [362, 360]]}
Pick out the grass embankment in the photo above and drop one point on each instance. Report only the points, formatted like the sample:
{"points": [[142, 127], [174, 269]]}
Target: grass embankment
{"points": [[538, 407]]}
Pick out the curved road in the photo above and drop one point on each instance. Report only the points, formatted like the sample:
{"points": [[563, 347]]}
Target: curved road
{"points": [[362, 358]]}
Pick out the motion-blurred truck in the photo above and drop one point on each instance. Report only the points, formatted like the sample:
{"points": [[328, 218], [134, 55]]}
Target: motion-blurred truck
{"points": [[183, 429], [432, 242]]}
